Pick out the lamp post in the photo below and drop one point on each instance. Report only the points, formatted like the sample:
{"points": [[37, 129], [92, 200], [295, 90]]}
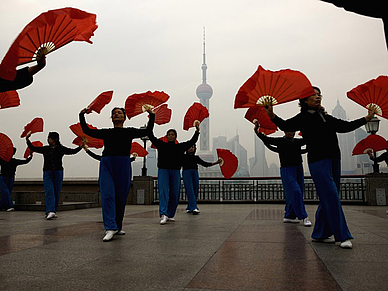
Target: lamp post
{"points": [[144, 139], [372, 127]]}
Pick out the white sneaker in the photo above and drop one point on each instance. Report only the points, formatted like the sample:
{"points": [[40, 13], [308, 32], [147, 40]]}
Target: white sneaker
{"points": [[109, 235], [10, 209], [289, 220], [188, 211], [121, 232], [306, 222], [196, 211], [347, 244], [328, 240], [164, 219], [172, 219], [50, 215]]}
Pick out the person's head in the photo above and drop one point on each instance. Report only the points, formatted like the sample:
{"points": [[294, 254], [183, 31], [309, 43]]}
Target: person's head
{"points": [[118, 115], [192, 150], [313, 102], [53, 138], [171, 135], [289, 134]]}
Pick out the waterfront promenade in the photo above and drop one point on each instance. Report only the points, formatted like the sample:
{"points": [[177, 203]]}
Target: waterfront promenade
{"points": [[226, 247]]}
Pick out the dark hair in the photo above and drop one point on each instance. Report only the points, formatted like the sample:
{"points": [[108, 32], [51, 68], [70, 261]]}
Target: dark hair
{"points": [[195, 149], [302, 102], [122, 109], [54, 135], [173, 130]]}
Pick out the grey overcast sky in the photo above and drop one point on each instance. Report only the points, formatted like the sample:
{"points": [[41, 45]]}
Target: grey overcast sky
{"points": [[145, 45]]}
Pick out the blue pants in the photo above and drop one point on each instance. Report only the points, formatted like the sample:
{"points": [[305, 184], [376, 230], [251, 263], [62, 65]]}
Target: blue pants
{"points": [[52, 182], [329, 218], [191, 182], [115, 182], [6, 186], [293, 185], [169, 185]]}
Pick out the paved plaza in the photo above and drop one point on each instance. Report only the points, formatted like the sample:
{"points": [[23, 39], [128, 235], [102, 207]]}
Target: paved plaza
{"points": [[225, 247]]}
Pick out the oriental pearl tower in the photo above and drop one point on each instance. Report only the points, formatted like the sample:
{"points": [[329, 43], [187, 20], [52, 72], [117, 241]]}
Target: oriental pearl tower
{"points": [[204, 93]]}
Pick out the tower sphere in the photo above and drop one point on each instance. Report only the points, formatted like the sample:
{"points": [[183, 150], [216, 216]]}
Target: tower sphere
{"points": [[204, 91]]}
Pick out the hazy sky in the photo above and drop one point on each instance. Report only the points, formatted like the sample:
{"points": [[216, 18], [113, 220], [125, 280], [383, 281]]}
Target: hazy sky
{"points": [[145, 45]]}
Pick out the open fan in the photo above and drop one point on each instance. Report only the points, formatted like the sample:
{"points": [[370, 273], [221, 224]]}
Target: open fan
{"points": [[228, 164], [162, 114], [279, 86], [195, 114], [46, 33], [9, 99], [164, 139], [138, 103], [373, 93], [101, 100], [27, 152], [373, 141], [36, 125], [138, 150], [6, 147], [90, 141], [258, 114]]}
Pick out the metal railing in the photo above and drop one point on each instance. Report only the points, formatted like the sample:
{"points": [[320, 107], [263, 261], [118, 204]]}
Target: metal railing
{"points": [[266, 189]]}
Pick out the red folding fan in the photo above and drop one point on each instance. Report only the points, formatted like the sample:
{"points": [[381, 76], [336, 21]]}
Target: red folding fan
{"points": [[279, 86], [90, 141], [9, 99], [162, 114], [46, 33], [258, 114], [36, 125], [228, 164], [137, 150], [6, 147], [195, 114], [373, 141], [164, 139], [373, 93], [27, 152], [138, 103], [101, 100]]}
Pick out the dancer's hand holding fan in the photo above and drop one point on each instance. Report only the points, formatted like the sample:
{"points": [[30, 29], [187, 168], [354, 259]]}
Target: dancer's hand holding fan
{"points": [[195, 115], [82, 137], [137, 150], [36, 125], [373, 143], [136, 104], [27, 152], [228, 164], [260, 119], [6, 147]]}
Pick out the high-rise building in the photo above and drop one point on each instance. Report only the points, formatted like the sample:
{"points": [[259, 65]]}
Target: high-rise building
{"points": [[258, 163]]}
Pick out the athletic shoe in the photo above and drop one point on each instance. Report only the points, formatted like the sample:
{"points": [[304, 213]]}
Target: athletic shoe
{"points": [[164, 219], [290, 220], [196, 211], [121, 232], [188, 211], [109, 235], [50, 215], [306, 222], [172, 219], [347, 244], [329, 240], [10, 209]]}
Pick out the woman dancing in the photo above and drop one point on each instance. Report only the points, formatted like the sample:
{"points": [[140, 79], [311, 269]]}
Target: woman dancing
{"points": [[52, 169], [191, 177], [115, 166], [170, 156], [291, 171], [319, 130]]}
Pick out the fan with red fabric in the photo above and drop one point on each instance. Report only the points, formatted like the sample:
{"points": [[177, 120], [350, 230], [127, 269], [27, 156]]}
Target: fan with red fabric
{"points": [[373, 141], [164, 139], [139, 103], [278, 86], [228, 164], [36, 125], [27, 152], [6, 147], [162, 114], [9, 99], [373, 93], [195, 115], [89, 141], [258, 114], [101, 100], [46, 33], [137, 150]]}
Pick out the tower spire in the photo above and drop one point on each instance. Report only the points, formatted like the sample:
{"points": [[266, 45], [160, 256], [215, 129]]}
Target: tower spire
{"points": [[204, 66]]}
